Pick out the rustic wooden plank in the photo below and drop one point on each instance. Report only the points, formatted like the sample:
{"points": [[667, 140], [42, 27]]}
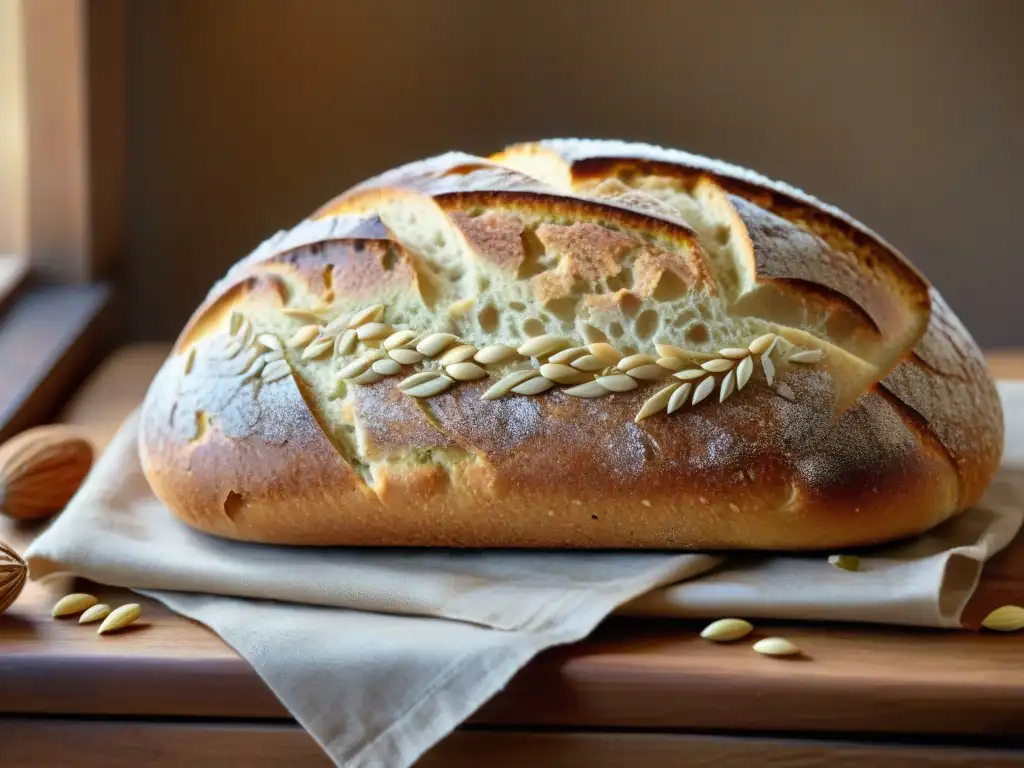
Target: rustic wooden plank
{"points": [[634, 674], [78, 744], [50, 338]]}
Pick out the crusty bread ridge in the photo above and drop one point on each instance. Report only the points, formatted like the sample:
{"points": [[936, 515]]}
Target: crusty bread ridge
{"points": [[578, 344]]}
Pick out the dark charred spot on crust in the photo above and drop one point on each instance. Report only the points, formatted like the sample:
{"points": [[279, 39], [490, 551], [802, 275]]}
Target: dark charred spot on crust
{"points": [[233, 505], [389, 258], [202, 424]]}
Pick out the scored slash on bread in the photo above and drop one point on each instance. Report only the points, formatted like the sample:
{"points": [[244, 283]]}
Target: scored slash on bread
{"points": [[518, 350]]}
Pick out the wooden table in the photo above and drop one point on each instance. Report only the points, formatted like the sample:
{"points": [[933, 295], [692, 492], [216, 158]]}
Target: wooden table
{"points": [[638, 693]]}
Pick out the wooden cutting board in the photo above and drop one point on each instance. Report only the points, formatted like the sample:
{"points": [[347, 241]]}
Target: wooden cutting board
{"points": [[631, 674]]}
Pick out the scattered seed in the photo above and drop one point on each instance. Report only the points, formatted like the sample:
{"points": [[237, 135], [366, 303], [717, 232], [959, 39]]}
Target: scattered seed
{"points": [[304, 335], [235, 322], [72, 604], [734, 353], [634, 361], [604, 352], [691, 374], [776, 646], [355, 367], [120, 618], [367, 315], [563, 374], [534, 386], [846, 562], [743, 372], [650, 372], [465, 371], [718, 365], [543, 345], [678, 399], [1007, 618], [656, 403], [367, 377], [495, 353], [588, 363], [590, 334], [434, 386], [276, 370], [256, 368], [406, 356], [336, 326], [399, 339], [232, 348], [726, 630], [346, 342], [703, 390], [807, 356], [373, 331], [461, 307], [97, 612], [728, 386], [435, 343], [761, 344], [190, 360], [270, 341], [671, 363], [769, 368], [245, 332], [619, 382], [588, 389], [566, 356], [416, 379], [386, 366], [508, 383], [668, 350], [317, 349], [459, 354]]}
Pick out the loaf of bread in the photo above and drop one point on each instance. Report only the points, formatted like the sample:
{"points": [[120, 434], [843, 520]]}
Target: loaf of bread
{"points": [[572, 344]]}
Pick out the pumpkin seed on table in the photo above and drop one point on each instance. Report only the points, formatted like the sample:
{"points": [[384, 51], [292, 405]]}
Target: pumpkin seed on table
{"points": [[726, 630], [845, 562], [97, 612], [1007, 618], [120, 618], [72, 604], [776, 646]]}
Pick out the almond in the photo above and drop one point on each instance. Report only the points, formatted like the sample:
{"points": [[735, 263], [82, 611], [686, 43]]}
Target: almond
{"points": [[13, 572], [40, 470]]}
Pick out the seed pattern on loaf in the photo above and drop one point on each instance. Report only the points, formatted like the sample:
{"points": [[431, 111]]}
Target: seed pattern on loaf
{"points": [[370, 351], [676, 328]]}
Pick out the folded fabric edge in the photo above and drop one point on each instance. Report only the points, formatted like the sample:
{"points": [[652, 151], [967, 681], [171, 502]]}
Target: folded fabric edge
{"points": [[437, 712]]}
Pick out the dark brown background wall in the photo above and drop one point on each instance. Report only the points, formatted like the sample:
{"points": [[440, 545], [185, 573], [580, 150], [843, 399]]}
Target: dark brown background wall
{"points": [[246, 114]]}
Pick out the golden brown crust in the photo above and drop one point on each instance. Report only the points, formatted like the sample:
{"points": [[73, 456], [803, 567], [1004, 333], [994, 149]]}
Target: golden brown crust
{"points": [[869, 443]]}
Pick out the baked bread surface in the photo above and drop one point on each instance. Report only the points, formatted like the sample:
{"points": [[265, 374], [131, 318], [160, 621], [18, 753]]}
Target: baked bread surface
{"points": [[572, 344]]}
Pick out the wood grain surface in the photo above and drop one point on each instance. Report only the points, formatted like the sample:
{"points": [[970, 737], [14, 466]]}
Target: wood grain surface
{"points": [[78, 744], [630, 674]]}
